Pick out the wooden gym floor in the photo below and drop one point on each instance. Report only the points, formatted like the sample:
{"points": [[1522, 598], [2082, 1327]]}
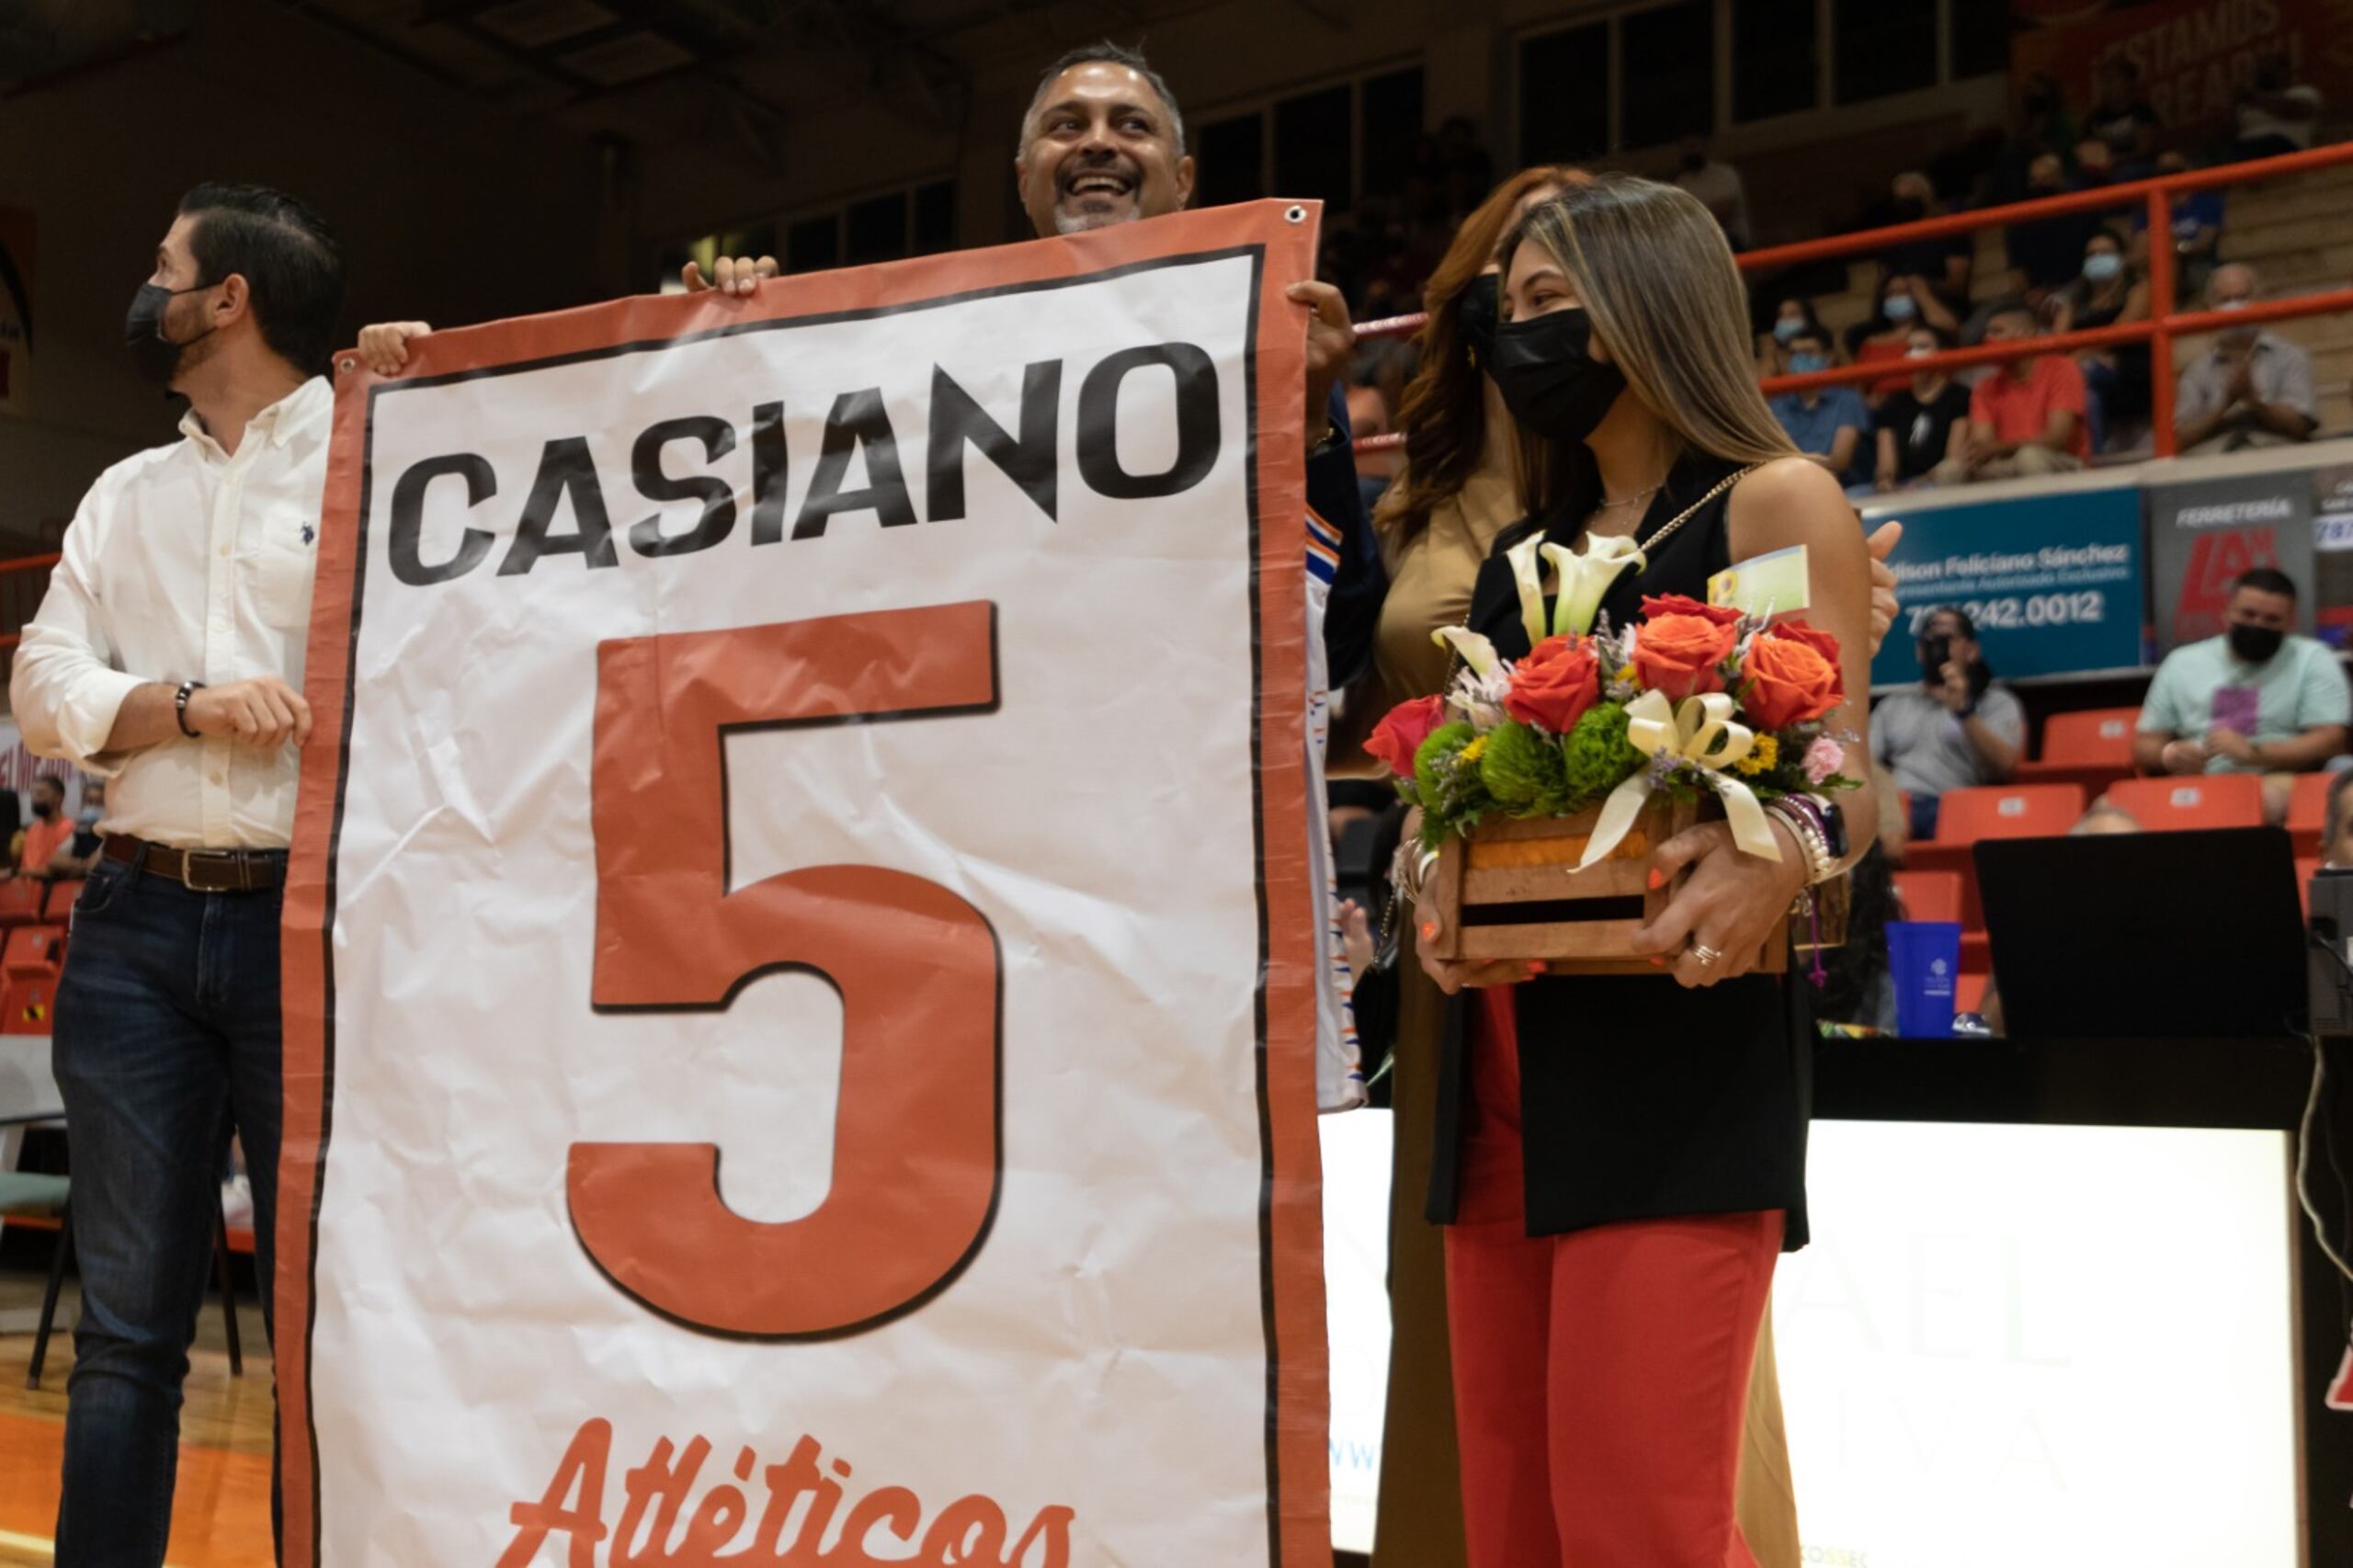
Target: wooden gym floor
{"points": [[221, 1515]]}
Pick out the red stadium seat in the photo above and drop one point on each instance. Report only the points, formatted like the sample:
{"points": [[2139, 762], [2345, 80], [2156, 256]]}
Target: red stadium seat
{"points": [[33, 952], [2308, 811], [25, 1007], [2307, 867], [2007, 810], [1929, 895], [2213, 800], [2092, 748], [1968, 992], [20, 901]]}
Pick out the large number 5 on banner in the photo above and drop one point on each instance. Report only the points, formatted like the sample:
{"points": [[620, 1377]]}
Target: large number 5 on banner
{"points": [[915, 1137]]}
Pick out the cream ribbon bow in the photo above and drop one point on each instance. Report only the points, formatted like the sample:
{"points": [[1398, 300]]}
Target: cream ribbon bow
{"points": [[1700, 731]]}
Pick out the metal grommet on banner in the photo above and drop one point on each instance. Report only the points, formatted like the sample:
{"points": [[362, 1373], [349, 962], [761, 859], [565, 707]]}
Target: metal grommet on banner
{"points": [[347, 364], [1294, 214]]}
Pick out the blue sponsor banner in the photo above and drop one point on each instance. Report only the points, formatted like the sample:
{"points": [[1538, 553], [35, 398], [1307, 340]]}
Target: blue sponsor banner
{"points": [[2055, 582]]}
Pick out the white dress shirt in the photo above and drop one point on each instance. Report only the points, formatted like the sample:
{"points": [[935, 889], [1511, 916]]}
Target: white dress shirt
{"points": [[184, 562]]}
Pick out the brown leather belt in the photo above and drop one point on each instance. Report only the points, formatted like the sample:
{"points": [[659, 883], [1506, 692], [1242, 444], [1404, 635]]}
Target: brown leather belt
{"points": [[201, 870]]}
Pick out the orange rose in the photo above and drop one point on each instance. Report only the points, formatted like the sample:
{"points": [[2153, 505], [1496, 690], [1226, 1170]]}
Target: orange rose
{"points": [[1791, 675], [1554, 685], [1678, 654], [1400, 733], [1656, 605]]}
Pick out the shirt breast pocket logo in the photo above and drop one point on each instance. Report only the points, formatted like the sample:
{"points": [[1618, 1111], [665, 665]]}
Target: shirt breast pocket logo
{"points": [[283, 570]]}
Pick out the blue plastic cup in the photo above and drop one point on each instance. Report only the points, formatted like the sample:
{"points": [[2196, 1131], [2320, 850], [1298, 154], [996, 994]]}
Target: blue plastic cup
{"points": [[1924, 959]]}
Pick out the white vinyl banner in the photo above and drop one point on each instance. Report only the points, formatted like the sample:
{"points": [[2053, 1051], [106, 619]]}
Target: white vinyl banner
{"points": [[800, 994]]}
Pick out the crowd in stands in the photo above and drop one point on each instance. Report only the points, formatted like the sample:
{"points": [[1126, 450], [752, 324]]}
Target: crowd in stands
{"points": [[2072, 272]]}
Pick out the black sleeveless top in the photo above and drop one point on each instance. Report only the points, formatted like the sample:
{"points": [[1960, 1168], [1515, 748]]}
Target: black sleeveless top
{"points": [[1640, 1099]]}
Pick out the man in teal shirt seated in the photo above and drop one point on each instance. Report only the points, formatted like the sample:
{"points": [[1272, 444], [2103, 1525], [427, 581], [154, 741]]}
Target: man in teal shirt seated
{"points": [[2256, 699]]}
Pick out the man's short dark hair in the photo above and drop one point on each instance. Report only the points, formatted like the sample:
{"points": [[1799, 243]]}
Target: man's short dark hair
{"points": [[287, 255], [2265, 580], [2015, 308], [2339, 789], [56, 784], [1103, 52], [1950, 612]]}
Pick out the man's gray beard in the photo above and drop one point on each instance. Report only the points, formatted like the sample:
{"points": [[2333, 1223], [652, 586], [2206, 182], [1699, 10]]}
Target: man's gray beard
{"points": [[1081, 222]]}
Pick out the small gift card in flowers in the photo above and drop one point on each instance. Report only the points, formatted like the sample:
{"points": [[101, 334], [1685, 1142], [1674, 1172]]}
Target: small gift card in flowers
{"points": [[1696, 700]]}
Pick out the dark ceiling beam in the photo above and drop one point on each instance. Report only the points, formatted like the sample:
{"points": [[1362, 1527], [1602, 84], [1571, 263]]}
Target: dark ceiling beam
{"points": [[1330, 13]]}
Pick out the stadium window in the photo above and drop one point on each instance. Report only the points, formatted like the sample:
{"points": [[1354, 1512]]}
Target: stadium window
{"points": [[877, 229], [1666, 73], [1565, 96], [813, 245], [1775, 67], [1233, 160], [935, 216], [1314, 149], [1882, 48], [1393, 130], [1981, 40]]}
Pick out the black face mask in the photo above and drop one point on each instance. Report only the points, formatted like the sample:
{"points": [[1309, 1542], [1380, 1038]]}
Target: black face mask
{"points": [[1551, 381], [43, 810], [2256, 645], [158, 357], [1910, 208], [1694, 162], [1475, 314]]}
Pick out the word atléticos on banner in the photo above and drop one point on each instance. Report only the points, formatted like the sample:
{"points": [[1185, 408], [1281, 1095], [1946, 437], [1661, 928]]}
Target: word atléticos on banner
{"points": [[972, 1530]]}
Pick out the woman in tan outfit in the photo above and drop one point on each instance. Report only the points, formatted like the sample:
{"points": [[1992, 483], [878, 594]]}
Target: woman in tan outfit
{"points": [[1462, 483]]}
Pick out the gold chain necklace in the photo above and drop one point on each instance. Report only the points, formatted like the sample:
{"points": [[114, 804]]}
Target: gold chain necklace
{"points": [[1688, 512]]}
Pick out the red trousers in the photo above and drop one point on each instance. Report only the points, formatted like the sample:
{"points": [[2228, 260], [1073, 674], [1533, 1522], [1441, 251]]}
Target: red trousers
{"points": [[1601, 1377]]}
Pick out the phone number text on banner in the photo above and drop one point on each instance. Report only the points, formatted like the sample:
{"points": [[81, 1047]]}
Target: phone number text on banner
{"points": [[2054, 582], [800, 993]]}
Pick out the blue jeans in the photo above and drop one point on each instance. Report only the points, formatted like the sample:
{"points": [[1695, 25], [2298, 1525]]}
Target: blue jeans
{"points": [[166, 1038]]}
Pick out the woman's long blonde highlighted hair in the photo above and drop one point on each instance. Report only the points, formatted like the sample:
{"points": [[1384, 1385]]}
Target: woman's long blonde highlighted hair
{"points": [[1656, 278]]}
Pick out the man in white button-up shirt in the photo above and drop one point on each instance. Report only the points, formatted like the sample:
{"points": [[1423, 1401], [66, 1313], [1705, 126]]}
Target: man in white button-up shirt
{"points": [[167, 657]]}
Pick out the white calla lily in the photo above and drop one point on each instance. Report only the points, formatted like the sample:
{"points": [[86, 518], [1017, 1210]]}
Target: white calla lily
{"points": [[1587, 578], [1530, 579], [1475, 650]]}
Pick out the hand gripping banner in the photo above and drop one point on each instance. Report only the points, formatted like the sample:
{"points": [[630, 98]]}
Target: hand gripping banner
{"points": [[799, 1027]]}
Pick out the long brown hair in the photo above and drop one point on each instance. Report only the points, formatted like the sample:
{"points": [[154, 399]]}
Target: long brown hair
{"points": [[1659, 283], [1443, 414]]}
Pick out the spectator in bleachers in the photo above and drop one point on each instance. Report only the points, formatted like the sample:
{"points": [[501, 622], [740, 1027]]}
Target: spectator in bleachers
{"points": [[2276, 113], [1718, 186], [2258, 698], [1791, 316], [2254, 389], [2123, 122], [1923, 426], [2196, 230], [1944, 265], [1905, 304], [50, 830], [1956, 730], [2043, 128], [2047, 253], [2027, 418], [78, 857], [1825, 424], [2111, 290], [1368, 415], [2336, 841]]}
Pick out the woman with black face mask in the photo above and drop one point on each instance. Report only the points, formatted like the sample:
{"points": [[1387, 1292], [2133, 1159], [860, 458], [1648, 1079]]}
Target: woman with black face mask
{"points": [[1620, 1160]]}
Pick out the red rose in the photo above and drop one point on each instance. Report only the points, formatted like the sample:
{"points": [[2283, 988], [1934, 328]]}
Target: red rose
{"points": [[1400, 734], [1556, 684], [1678, 654], [1792, 676], [1655, 605]]}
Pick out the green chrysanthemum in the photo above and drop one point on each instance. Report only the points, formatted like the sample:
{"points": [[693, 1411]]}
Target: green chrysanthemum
{"points": [[1524, 771], [1434, 764], [1596, 756]]}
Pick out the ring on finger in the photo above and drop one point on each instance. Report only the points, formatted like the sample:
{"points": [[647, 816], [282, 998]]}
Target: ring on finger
{"points": [[1705, 954]]}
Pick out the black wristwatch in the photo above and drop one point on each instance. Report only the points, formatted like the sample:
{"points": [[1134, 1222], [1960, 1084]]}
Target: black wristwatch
{"points": [[179, 706]]}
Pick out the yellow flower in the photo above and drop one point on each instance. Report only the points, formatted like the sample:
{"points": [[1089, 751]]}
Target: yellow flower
{"points": [[1476, 750], [1762, 758]]}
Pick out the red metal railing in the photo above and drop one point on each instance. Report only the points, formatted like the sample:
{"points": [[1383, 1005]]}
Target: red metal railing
{"points": [[2165, 323]]}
